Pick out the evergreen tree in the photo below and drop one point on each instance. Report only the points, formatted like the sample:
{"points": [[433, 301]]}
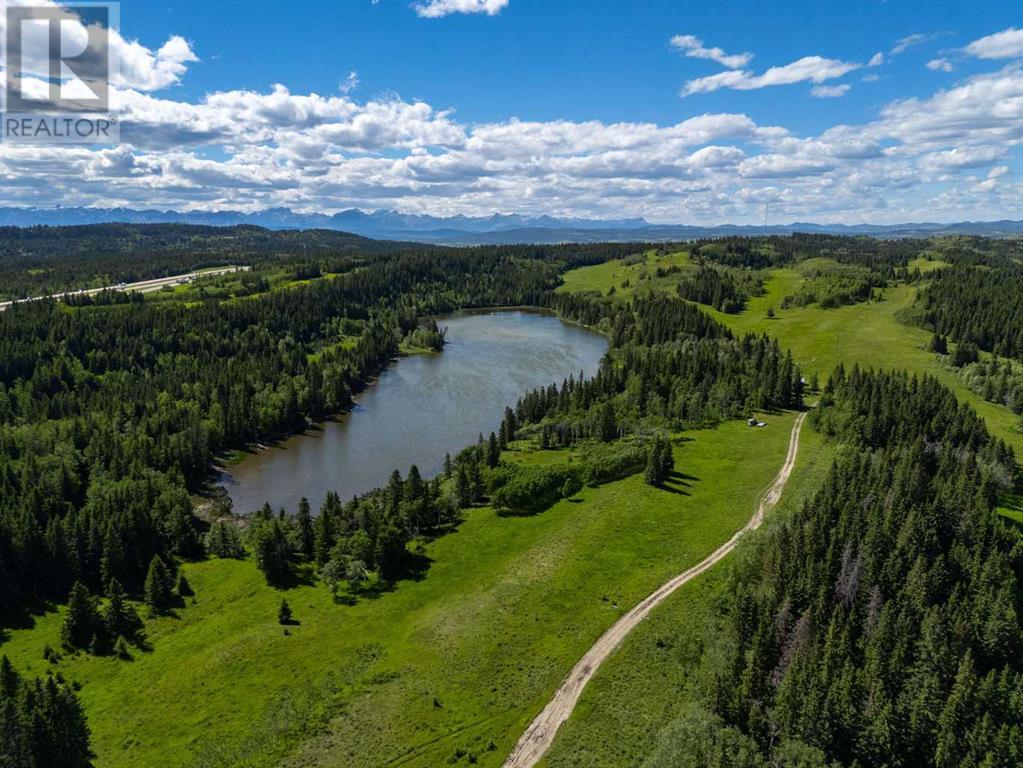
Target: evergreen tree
{"points": [[493, 451], [939, 344], [965, 353], [159, 586], [652, 475], [479, 488], [390, 553], [10, 680], [323, 538], [463, 488], [119, 617], [510, 426], [415, 489], [273, 551], [665, 459], [305, 535], [184, 589], [81, 622], [608, 424]]}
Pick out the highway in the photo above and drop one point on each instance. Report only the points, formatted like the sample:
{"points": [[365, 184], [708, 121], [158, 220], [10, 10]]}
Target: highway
{"points": [[143, 286]]}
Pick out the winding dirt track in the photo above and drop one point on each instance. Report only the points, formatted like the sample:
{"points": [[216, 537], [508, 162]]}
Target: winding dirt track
{"points": [[540, 735]]}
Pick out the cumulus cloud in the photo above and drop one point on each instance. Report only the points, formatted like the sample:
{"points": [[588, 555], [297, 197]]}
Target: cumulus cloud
{"points": [[140, 68], [694, 48], [936, 157], [940, 65], [815, 69], [985, 109], [961, 157], [876, 60], [435, 9], [829, 91], [1007, 44]]}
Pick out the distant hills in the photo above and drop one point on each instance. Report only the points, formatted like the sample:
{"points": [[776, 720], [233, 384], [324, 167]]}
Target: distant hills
{"points": [[472, 230]]}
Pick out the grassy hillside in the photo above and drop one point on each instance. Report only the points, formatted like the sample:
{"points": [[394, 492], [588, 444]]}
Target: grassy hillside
{"points": [[870, 334], [449, 667], [649, 679], [627, 276]]}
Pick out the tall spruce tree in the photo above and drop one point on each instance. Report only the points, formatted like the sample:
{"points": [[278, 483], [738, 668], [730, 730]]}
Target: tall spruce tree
{"points": [[304, 534], [159, 586], [119, 617], [81, 622]]}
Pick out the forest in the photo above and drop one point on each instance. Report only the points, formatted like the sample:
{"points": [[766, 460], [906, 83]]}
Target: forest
{"points": [[878, 625], [978, 306]]}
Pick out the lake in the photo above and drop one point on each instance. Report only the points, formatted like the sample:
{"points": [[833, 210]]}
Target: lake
{"points": [[421, 408]]}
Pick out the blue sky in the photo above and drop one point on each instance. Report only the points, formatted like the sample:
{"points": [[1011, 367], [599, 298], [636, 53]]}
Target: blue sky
{"points": [[544, 60], [687, 112]]}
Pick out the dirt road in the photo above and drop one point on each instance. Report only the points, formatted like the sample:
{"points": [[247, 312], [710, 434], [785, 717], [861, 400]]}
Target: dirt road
{"points": [[143, 286], [540, 735]]}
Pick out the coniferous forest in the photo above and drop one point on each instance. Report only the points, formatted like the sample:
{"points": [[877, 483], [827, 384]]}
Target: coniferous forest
{"points": [[879, 625], [980, 307]]}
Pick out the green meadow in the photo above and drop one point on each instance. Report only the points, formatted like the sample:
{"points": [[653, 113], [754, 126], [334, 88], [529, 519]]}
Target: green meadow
{"points": [[444, 669], [628, 276]]}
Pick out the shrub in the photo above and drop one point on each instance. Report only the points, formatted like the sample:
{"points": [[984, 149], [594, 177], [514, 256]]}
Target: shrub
{"points": [[605, 463], [528, 490]]}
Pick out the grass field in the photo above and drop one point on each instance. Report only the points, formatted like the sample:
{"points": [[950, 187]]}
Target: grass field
{"points": [[652, 675], [627, 276], [449, 667]]}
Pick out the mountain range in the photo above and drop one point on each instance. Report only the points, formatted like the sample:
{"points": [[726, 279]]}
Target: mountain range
{"points": [[472, 230]]}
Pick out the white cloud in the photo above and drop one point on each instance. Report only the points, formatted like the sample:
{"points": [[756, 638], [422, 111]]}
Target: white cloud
{"points": [[815, 69], [435, 9], [138, 67], [961, 157], [829, 91], [693, 47], [940, 65], [986, 109], [783, 166], [904, 44], [876, 60], [1007, 44], [350, 83]]}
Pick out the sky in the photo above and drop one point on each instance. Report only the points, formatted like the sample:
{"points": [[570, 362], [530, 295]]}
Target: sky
{"points": [[679, 112]]}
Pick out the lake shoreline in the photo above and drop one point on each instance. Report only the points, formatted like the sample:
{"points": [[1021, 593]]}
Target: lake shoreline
{"points": [[542, 351]]}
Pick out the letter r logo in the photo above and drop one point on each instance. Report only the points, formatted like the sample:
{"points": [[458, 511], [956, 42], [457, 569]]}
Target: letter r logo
{"points": [[57, 58]]}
